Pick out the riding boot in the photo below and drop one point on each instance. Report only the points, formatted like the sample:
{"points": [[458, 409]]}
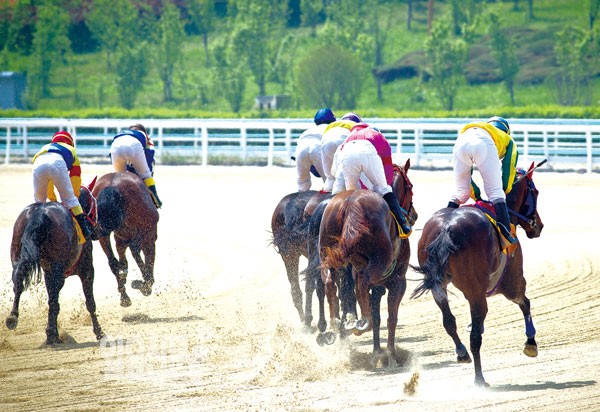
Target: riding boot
{"points": [[149, 182], [452, 205], [503, 220], [392, 201], [85, 225]]}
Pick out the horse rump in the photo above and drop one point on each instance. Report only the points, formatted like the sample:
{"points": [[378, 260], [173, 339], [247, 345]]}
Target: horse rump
{"points": [[110, 210]]}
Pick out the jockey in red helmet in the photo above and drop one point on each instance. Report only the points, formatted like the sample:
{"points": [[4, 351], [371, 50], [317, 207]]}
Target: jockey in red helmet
{"points": [[57, 164]]}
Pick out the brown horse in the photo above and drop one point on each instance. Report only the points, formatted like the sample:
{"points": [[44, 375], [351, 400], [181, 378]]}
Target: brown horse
{"points": [[358, 228], [45, 239], [461, 246], [289, 226], [125, 208]]}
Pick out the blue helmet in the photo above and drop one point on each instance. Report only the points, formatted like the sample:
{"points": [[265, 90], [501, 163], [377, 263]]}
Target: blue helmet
{"points": [[352, 117], [324, 115], [499, 123]]}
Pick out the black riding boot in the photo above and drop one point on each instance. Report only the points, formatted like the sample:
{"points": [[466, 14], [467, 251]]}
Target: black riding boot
{"points": [[392, 202], [452, 205], [503, 219], [154, 196], [85, 225]]}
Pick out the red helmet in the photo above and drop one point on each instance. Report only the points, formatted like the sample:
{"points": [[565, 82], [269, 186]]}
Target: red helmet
{"points": [[63, 137]]}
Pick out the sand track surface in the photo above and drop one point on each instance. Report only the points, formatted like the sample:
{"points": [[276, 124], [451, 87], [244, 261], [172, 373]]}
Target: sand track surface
{"points": [[220, 333]]}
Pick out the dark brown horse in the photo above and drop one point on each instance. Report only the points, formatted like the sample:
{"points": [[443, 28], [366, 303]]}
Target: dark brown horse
{"points": [[358, 229], [45, 239], [461, 246], [289, 226], [125, 208]]}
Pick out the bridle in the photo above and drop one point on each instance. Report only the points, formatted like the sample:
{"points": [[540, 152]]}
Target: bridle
{"points": [[92, 212], [408, 189], [527, 210]]}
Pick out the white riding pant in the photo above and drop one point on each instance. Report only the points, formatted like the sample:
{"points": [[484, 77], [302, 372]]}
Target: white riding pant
{"points": [[127, 149], [475, 147], [356, 157], [52, 167], [329, 143], [308, 153]]}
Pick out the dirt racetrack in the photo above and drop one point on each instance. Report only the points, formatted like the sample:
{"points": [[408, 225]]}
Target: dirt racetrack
{"points": [[220, 333]]}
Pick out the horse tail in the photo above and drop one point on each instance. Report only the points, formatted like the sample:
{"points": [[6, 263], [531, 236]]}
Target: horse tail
{"points": [[35, 234], [436, 265], [353, 229], [110, 209]]}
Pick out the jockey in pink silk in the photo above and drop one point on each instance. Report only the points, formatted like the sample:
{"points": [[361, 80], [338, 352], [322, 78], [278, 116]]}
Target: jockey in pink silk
{"points": [[366, 155]]}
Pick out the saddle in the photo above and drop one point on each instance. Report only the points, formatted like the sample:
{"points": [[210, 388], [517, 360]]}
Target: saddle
{"points": [[488, 210]]}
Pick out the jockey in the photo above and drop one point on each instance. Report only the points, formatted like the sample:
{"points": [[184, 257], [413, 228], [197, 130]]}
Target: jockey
{"points": [[483, 144], [57, 164], [308, 149], [132, 150], [333, 136], [367, 151]]}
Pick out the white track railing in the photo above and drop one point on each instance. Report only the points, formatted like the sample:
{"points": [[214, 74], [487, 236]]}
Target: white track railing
{"points": [[428, 142]]}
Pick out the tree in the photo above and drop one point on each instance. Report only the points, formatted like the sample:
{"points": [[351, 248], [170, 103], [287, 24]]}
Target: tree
{"points": [[109, 21], [171, 36], [503, 50], [572, 80], [202, 15], [311, 9], [260, 26], [447, 55], [593, 9], [230, 72], [131, 68], [51, 46], [329, 77]]}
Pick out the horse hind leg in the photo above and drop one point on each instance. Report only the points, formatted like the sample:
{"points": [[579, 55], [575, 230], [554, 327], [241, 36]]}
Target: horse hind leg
{"points": [[478, 313], [147, 269], [118, 268], [441, 299], [55, 281], [18, 277]]}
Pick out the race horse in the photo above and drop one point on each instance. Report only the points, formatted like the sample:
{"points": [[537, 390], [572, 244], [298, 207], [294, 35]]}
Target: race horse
{"points": [[126, 209], [358, 229], [462, 246], [289, 226], [46, 239]]}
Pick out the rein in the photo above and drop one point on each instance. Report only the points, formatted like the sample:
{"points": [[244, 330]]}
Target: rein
{"points": [[408, 188], [530, 200]]}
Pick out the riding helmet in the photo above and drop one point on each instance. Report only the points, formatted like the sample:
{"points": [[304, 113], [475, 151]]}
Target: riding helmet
{"points": [[63, 137], [352, 117], [324, 115], [499, 123]]}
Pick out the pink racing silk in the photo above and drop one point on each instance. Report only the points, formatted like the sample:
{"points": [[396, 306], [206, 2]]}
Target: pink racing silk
{"points": [[378, 140]]}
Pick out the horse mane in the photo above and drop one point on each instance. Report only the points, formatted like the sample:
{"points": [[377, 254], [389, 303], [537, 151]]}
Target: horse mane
{"points": [[435, 267]]}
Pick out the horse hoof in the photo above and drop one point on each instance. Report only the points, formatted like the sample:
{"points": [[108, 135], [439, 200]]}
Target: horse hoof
{"points": [[125, 301], [142, 287], [53, 340], [463, 359], [351, 324], [363, 325], [11, 322], [326, 338], [530, 350], [482, 383]]}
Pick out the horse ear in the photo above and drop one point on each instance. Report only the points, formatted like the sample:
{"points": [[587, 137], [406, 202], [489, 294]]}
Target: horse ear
{"points": [[92, 183], [407, 165]]}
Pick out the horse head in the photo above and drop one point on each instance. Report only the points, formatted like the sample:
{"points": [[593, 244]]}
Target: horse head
{"points": [[522, 203], [402, 187]]}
